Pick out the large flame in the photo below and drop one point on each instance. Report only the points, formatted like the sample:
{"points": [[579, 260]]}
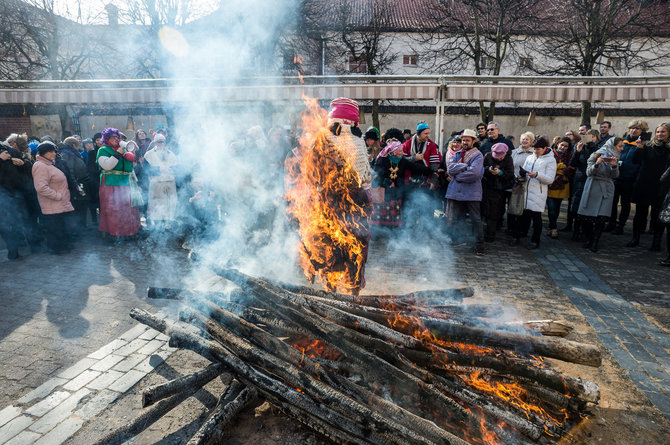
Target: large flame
{"points": [[323, 193]]}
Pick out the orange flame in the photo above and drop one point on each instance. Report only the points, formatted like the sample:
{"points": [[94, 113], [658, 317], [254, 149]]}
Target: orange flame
{"points": [[315, 348], [322, 189]]}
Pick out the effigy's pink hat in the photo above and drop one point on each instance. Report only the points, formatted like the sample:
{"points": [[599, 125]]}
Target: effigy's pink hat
{"points": [[343, 108]]}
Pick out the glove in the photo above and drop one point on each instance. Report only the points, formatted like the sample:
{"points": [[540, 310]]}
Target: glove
{"points": [[128, 156]]}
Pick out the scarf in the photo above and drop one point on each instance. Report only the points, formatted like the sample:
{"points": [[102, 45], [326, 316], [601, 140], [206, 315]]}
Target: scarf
{"points": [[417, 148], [394, 147], [467, 155]]}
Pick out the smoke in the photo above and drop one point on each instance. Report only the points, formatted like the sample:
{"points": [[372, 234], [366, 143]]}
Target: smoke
{"points": [[225, 151]]}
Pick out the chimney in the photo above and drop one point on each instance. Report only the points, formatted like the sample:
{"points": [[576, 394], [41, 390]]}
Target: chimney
{"points": [[112, 14]]}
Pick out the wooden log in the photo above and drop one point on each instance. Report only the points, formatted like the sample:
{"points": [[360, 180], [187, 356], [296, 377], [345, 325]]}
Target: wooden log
{"points": [[286, 369], [566, 350], [233, 400], [385, 358], [366, 430], [191, 382]]}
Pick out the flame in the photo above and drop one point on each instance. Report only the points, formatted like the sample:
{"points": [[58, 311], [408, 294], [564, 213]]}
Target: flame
{"points": [[315, 348], [322, 188]]}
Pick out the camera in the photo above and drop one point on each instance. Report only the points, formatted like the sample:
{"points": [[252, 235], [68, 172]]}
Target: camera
{"points": [[522, 172]]}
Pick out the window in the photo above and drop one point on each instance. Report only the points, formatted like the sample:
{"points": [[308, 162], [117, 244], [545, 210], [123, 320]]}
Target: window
{"points": [[357, 66], [616, 63], [409, 60], [487, 63], [526, 63]]}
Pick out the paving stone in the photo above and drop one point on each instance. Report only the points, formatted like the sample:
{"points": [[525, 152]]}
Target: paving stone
{"points": [[43, 390], [131, 347], [660, 401], [625, 360], [81, 380], [653, 348], [655, 370], [134, 332], [151, 347], [665, 362], [624, 336], [610, 341], [49, 421], [638, 352], [107, 362], [9, 413], [642, 380], [130, 362], [127, 381], [78, 368], [24, 438], [150, 363], [106, 379], [46, 405], [14, 427], [597, 324], [99, 402], [108, 349], [149, 334], [61, 433]]}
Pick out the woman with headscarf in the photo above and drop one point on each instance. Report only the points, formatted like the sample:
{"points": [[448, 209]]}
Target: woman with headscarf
{"points": [[390, 167], [560, 188], [119, 194], [579, 162], [595, 206], [498, 177]]}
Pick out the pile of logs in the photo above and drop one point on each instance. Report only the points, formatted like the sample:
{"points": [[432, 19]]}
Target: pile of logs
{"points": [[406, 369]]}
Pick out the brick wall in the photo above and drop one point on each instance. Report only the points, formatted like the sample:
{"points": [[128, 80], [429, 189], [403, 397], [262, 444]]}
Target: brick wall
{"points": [[9, 125]]}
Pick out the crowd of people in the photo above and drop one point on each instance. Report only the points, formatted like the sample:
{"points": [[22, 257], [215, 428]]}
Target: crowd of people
{"points": [[477, 185], [480, 176]]}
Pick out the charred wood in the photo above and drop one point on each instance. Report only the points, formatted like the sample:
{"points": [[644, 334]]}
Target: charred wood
{"points": [[191, 383]]}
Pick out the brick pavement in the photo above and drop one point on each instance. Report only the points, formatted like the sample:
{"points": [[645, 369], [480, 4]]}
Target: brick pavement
{"points": [[69, 372]]}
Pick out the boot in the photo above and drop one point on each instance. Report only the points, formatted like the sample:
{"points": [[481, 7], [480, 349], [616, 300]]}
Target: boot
{"points": [[656, 242], [610, 226], [577, 231], [596, 237], [571, 219], [635, 241], [665, 262]]}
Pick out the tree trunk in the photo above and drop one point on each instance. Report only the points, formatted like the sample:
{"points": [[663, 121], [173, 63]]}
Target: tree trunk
{"points": [[586, 113], [492, 112], [375, 113], [482, 112]]}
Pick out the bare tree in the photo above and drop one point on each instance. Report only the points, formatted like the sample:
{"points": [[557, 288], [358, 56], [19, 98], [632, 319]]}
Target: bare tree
{"points": [[598, 37], [473, 36]]}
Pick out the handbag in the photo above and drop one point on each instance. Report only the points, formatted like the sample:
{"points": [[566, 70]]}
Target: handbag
{"points": [[664, 216], [517, 203], [378, 194]]}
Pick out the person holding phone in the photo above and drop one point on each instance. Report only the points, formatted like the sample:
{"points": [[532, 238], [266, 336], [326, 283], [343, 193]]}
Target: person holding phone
{"points": [[653, 158], [596, 203], [628, 171]]}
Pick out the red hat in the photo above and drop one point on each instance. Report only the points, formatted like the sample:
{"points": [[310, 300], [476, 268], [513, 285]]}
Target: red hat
{"points": [[343, 108]]}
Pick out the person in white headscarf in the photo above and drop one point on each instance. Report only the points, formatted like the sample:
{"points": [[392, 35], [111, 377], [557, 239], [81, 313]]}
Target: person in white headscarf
{"points": [[162, 204]]}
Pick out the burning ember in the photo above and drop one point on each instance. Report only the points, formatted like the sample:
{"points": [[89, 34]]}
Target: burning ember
{"points": [[326, 201]]}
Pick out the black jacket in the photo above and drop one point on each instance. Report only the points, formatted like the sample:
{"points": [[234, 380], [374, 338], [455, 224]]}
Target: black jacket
{"points": [[655, 159], [488, 143]]}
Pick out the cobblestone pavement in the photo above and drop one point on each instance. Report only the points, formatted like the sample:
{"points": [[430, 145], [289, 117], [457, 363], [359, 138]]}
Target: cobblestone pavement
{"points": [[72, 362]]}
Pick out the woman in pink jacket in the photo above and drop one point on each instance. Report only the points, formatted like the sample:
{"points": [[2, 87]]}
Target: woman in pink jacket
{"points": [[53, 196]]}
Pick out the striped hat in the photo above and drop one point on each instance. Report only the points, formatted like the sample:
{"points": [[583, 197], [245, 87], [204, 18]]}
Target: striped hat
{"points": [[346, 109]]}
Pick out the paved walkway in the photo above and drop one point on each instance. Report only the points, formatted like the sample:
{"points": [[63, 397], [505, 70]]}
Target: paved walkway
{"points": [[69, 352], [638, 346]]}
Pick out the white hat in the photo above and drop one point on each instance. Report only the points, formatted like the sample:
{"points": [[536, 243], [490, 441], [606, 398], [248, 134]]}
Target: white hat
{"points": [[159, 138], [469, 133]]}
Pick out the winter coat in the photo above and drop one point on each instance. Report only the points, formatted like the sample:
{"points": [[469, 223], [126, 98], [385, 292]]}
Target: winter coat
{"points": [[536, 188], [580, 161], [488, 143], [382, 169], [560, 188], [628, 170], [598, 195], [519, 157], [466, 184], [494, 186], [74, 162], [654, 160], [431, 158], [51, 186]]}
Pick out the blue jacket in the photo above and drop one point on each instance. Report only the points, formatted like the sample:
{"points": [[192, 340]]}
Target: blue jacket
{"points": [[466, 184], [628, 171]]}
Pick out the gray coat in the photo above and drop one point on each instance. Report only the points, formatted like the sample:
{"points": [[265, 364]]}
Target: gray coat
{"points": [[598, 194]]}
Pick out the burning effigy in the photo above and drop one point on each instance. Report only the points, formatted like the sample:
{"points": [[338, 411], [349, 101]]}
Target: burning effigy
{"points": [[328, 184]]}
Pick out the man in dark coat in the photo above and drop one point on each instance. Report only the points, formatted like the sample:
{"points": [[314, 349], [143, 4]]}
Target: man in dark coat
{"points": [[494, 137]]}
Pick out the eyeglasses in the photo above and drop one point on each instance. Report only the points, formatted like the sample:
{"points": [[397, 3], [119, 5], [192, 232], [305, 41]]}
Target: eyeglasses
{"points": [[491, 129], [481, 128]]}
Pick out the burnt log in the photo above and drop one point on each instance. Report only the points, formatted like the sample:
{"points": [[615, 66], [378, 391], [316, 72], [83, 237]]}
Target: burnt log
{"points": [[191, 382]]}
